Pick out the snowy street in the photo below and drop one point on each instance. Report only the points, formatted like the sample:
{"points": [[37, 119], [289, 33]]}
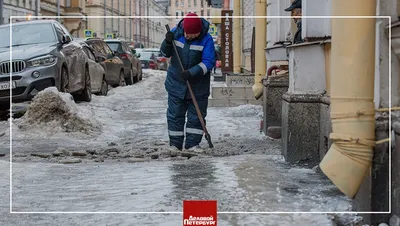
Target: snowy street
{"points": [[109, 156]]}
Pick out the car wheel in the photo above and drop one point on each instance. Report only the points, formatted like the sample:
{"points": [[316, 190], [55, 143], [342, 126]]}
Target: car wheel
{"points": [[121, 79], [86, 93], [141, 75], [104, 87], [64, 80], [130, 79], [136, 78], [87, 90]]}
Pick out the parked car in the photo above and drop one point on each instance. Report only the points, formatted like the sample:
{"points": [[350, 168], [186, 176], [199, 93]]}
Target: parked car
{"points": [[112, 64], [44, 54], [122, 50], [149, 60], [162, 61], [96, 71], [139, 64], [138, 51]]}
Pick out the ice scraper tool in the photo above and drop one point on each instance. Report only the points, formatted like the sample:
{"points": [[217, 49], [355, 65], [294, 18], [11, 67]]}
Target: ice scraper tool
{"points": [[206, 134]]}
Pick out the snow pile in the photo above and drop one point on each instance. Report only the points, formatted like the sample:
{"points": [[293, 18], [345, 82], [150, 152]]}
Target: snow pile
{"points": [[247, 110], [57, 112]]}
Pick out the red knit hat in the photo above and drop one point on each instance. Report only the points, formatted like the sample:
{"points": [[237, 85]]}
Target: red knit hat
{"points": [[192, 24]]}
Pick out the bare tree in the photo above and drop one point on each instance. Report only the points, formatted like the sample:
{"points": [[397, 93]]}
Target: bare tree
{"points": [[72, 31]]}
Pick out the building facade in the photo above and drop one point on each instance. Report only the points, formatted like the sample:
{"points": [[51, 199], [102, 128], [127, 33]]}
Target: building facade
{"points": [[48, 8], [179, 8], [147, 31], [19, 8]]}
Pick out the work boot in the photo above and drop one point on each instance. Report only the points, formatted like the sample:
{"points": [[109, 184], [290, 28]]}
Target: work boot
{"points": [[196, 149], [173, 151]]}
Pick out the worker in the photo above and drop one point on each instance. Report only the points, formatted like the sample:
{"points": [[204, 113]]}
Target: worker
{"points": [[196, 51]]}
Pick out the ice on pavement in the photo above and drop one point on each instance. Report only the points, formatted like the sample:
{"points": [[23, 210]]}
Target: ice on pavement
{"points": [[134, 117], [52, 111], [247, 110]]}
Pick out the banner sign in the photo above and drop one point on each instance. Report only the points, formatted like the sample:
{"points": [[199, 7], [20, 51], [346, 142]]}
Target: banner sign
{"points": [[226, 41]]}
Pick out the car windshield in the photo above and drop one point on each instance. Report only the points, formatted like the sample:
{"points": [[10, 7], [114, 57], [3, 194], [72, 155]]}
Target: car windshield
{"points": [[26, 34], [114, 46], [146, 55]]}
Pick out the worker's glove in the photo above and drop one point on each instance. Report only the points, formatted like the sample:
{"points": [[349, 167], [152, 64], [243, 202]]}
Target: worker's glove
{"points": [[186, 75], [169, 37]]}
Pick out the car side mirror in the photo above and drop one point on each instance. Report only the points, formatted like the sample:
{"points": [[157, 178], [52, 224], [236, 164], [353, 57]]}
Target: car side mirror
{"points": [[100, 59], [66, 39], [138, 55]]}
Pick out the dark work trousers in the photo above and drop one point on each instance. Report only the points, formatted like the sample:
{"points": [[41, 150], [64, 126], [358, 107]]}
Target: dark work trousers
{"points": [[176, 117]]}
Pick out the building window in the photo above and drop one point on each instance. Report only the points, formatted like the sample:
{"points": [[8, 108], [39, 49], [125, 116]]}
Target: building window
{"points": [[201, 3], [208, 12], [182, 3], [195, 3], [177, 14], [190, 3], [176, 3], [182, 13], [68, 3], [202, 13]]}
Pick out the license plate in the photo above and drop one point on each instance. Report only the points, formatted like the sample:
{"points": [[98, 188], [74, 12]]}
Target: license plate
{"points": [[6, 85]]}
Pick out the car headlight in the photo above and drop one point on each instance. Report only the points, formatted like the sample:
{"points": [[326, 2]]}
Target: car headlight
{"points": [[42, 61]]}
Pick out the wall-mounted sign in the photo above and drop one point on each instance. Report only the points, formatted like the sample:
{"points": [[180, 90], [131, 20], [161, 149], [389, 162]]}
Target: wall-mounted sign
{"points": [[226, 41], [213, 30], [109, 36], [88, 33]]}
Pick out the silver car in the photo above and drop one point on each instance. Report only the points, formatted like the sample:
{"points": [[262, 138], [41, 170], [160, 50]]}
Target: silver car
{"points": [[44, 54], [96, 71]]}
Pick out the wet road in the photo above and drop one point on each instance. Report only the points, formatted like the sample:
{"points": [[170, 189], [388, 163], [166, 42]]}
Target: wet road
{"points": [[250, 175]]}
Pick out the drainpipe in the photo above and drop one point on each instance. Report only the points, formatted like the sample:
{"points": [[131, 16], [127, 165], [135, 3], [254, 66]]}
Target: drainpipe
{"points": [[352, 94], [37, 8], [119, 19], [237, 41], [261, 37], [58, 10], [112, 14], [104, 20], [1, 11]]}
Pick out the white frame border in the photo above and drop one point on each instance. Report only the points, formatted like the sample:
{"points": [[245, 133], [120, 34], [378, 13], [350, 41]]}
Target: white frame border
{"points": [[209, 17]]}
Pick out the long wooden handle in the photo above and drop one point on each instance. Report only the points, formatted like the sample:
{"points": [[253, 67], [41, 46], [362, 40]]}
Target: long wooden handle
{"points": [[199, 115]]}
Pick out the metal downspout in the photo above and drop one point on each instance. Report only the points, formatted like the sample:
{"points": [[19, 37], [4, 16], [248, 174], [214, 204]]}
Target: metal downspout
{"points": [[237, 41], [261, 37], [352, 93]]}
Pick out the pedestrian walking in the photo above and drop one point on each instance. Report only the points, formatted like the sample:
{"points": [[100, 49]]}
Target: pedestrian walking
{"points": [[216, 58], [196, 50]]}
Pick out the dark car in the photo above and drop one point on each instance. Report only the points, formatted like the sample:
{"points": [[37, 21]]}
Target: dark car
{"points": [[96, 71], [112, 64], [163, 62], [44, 54], [149, 60], [122, 50], [138, 63]]}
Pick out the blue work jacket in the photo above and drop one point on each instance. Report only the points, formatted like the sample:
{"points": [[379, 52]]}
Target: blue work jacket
{"points": [[198, 56]]}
